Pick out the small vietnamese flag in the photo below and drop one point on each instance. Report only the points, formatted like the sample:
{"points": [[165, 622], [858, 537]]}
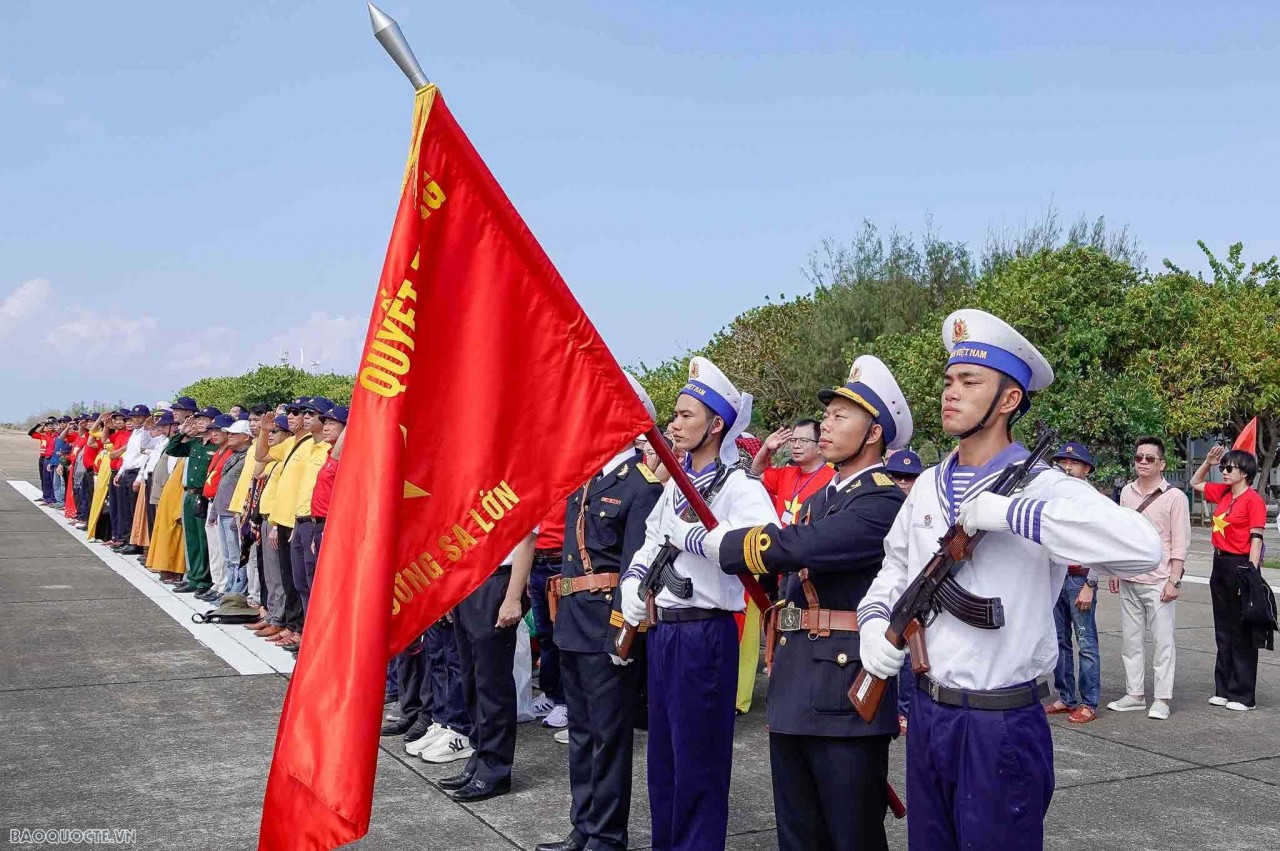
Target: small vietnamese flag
{"points": [[484, 396], [1248, 439]]}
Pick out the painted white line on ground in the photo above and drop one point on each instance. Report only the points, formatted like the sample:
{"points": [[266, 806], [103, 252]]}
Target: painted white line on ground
{"points": [[235, 645], [1204, 580]]}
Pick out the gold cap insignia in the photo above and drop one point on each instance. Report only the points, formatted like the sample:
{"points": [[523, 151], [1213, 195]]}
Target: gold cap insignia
{"points": [[959, 331], [855, 373], [693, 369]]}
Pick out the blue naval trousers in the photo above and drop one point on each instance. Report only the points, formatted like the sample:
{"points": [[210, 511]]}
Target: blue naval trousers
{"points": [[977, 779], [693, 681]]}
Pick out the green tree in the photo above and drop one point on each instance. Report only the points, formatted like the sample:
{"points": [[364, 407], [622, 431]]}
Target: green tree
{"points": [[269, 385]]}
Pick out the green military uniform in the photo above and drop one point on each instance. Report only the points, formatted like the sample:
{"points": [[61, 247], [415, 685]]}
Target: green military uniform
{"points": [[198, 453]]}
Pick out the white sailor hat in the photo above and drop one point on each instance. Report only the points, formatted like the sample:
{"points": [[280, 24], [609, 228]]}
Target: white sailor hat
{"points": [[712, 387], [872, 387], [644, 397], [975, 336]]}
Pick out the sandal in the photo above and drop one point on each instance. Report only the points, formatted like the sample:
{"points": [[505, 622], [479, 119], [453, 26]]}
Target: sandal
{"points": [[1057, 708], [1082, 715]]}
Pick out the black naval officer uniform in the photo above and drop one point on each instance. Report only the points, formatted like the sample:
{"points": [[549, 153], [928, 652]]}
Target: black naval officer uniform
{"points": [[604, 527], [830, 768]]}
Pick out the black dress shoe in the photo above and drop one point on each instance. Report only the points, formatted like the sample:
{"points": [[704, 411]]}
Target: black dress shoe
{"points": [[183, 588], [131, 550], [479, 790], [570, 844], [397, 728], [452, 784]]}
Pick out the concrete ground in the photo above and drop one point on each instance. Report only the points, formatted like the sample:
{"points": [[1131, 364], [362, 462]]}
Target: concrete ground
{"points": [[114, 716]]}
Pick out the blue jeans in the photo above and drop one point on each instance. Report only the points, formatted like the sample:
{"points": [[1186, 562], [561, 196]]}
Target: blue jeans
{"points": [[58, 483], [237, 581], [1071, 621], [444, 669]]}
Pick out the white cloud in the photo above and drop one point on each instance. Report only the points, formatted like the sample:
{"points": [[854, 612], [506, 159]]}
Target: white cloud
{"points": [[325, 343], [27, 300], [94, 333]]}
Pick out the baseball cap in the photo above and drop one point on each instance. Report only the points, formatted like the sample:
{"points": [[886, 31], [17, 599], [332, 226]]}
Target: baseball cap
{"points": [[139, 411], [165, 419], [319, 404], [185, 403], [221, 421], [337, 412], [238, 427], [281, 422], [210, 412]]}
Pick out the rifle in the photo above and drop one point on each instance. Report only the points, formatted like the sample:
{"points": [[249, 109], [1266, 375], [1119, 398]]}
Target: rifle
{"points": [[935, 589], [680, 586]]}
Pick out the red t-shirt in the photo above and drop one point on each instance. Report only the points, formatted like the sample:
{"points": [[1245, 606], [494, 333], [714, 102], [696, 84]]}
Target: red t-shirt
{"points": [[1233, 518], [46, 444], [90, 454], [551, 529], [324, 487], [789, 487], [118, 439]]}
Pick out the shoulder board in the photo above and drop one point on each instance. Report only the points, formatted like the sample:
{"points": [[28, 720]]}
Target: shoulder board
{"points": [[647, 474], [750, 475], [882, 480]]}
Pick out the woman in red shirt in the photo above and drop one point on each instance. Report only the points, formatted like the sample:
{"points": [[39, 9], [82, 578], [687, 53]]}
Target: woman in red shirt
{"points": [[1239, 516]]}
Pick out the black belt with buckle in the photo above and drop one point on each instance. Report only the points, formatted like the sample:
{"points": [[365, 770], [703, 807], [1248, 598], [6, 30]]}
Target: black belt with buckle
{"points": [[308, 519], [685, 615], [1014, 697]]}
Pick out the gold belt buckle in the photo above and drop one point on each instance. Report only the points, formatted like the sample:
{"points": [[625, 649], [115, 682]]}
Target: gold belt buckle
{"points": [[789, 618], [932, 688], [566, 586]]}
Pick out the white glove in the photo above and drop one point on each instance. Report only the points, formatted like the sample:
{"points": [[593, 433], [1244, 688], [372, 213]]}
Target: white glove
{"points": [[879, 657], [986, 512], [618, 660], [694, 538], [633, 608]]}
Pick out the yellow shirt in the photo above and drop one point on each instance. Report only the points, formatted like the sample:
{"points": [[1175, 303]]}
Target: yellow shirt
{"points": [[307, 483], [291, 468], [241, 494], [277, 454]]}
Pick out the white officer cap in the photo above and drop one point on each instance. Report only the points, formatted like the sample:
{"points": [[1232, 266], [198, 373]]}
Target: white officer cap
{"points": [[872, 387], [644, 397], [975, 336], [712, 387]]}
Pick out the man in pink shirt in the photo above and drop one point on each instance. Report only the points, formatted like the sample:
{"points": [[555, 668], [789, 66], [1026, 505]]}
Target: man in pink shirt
{"points": [[1151, 597]]}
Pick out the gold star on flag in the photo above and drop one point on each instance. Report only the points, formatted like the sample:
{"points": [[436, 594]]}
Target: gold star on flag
{"points": [[411, 491], [1220, 523]]}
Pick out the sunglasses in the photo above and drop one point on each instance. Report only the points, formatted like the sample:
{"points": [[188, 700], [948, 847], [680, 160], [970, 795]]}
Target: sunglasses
{"points": [[1150, 459], [293, 412], [1228, 468]]}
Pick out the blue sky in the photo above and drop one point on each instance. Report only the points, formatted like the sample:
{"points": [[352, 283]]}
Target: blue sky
{"points": [[187, 188]]}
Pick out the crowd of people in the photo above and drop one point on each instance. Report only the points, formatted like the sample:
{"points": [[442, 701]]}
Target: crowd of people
{"points": [[232, 507], [227, 507]]}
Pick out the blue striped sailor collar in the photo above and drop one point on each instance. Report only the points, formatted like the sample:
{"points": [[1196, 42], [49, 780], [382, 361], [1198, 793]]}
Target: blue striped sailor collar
{"points": [[983, 476], [700, 478]]}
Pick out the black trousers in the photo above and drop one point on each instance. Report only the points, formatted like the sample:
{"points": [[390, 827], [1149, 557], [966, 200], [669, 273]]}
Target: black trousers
{"points": [[413, 681], [292, 602], [1235, 671], [488, 656], [829, 793], [125, 500], [601, 701]]}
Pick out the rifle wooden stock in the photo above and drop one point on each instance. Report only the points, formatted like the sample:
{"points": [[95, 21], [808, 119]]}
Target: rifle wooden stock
{"points": [[868, 690]]}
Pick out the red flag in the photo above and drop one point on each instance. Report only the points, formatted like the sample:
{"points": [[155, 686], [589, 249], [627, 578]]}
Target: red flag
{"points": [[1248, 438], [484, 396]]}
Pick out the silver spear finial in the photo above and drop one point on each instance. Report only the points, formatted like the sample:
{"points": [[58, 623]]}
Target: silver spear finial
{"points": [[388, 34]]}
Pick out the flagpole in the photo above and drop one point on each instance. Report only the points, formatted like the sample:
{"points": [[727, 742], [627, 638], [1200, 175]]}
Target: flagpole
{"points": [[388, 34]]}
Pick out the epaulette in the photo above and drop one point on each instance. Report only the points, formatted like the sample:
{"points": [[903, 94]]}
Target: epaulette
{"points": [[750, 475], [882, 480], [648, 475]]}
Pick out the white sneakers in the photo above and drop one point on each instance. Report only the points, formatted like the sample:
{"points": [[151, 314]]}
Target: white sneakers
{"points": [[1159, 710], [558, 718], [447, 748], [562, 736], [1236, 706], [1128, 703], [1217, 701], [542, 706], [417, 746]]}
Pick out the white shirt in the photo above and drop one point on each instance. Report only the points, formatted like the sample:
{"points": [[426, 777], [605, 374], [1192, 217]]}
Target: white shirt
{"points": [[1056, 521], [134, 450], [742, 502]]}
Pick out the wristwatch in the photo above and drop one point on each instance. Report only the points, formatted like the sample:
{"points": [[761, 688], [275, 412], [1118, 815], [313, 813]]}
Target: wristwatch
{"points": [[1092, 582], [1177, 584]]}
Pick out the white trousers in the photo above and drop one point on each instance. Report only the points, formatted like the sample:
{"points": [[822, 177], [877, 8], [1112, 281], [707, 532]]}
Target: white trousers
{"points": [[1141, 612], [217, 570]]}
